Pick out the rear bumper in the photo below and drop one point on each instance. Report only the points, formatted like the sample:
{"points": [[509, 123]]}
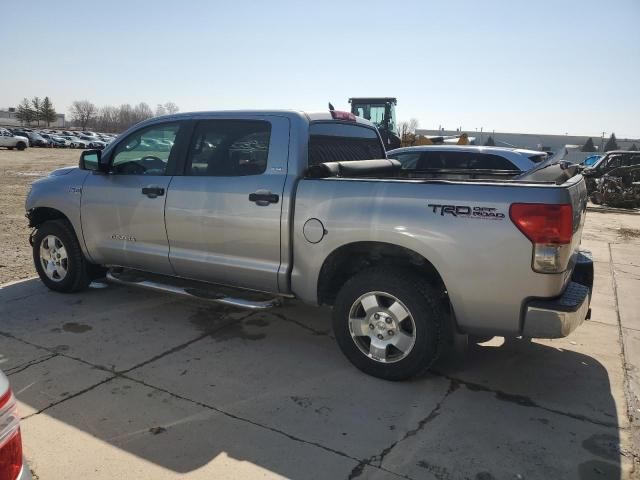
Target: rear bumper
{"points": [[558, 317], [25, 473]]}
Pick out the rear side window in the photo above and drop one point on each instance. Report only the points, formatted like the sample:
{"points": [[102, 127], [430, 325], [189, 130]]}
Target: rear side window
{"points": [[491, 162], [453, 160], [335, 142], [229, 148]]}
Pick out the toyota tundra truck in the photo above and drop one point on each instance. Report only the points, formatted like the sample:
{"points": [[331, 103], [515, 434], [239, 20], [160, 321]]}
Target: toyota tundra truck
{"points": [[251, 208]]}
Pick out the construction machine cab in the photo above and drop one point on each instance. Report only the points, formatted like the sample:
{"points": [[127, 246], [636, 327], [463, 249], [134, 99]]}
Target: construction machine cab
{"points": [[381, 111]]}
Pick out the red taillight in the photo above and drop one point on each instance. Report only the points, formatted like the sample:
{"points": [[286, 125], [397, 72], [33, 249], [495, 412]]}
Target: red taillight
{"points": [[542, 223], [10, 439], [347, 116]]}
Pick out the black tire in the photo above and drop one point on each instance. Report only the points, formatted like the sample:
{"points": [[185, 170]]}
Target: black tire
{"points": [[21, 146], [78, 269], [424, 305]]}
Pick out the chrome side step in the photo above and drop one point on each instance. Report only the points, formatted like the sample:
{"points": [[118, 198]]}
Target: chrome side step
{"points": [[194, 292]]}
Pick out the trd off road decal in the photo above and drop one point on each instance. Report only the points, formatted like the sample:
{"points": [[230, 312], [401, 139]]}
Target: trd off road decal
{"points": [[467, 211]]}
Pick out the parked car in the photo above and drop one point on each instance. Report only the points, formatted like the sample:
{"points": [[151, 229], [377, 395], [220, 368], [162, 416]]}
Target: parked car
{"points": [[37, 140], [619, 187], [10, 140], [56, 141], [76, 142], [12, 463], [611, 160], [93, 142], [452, 160], [308, 206]]}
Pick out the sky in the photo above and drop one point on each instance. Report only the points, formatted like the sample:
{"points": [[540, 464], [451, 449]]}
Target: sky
{"points": [[544, 66]]}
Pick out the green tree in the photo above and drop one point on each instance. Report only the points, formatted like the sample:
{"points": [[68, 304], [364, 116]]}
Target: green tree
{"points": [[611, 144], [36, 104], [633, 148], [47, 112], [24, 112], [588, 146], [490, 142]]}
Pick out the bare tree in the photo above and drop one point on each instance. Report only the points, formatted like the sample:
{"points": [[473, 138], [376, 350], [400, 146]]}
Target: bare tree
{"points": [[171, 108], [160, 110], [142, 111], [82, 112], [407, 131]]}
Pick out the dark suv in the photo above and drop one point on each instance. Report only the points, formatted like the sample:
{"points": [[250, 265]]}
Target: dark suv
{"points": [[611, 160]]}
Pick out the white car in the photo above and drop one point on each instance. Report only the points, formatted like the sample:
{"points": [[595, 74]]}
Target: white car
{"points": [[11, 141], [466, 158]]}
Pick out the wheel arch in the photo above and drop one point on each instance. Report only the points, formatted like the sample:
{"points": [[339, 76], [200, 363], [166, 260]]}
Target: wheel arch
{"points": [[349, 259], [38, 215]]}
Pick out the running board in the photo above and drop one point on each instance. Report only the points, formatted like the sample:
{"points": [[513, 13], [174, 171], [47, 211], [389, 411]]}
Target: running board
{"points": [[194, 292]]}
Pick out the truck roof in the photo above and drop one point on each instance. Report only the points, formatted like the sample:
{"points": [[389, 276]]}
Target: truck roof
{"points": [[308, 116]]}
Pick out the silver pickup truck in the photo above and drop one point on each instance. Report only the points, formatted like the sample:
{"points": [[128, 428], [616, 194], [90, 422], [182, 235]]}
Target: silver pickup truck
{"points": [[250, 208]]}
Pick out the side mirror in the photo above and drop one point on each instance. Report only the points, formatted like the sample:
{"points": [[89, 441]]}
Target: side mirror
{"points": [[92, 160]]}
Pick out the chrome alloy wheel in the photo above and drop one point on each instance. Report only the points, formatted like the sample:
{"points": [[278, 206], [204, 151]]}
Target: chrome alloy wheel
{"points": [[382, 327], [53, 257]]}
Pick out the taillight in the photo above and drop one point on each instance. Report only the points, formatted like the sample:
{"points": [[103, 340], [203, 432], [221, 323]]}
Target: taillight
{"points": [[10, 440], [550, 229]]}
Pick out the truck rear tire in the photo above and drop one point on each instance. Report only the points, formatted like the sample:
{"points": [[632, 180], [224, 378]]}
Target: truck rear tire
{"points": [[58, 257], [21, 146], [390, 323]]}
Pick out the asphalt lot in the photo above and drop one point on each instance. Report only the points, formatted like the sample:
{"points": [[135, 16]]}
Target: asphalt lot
{"points": [[124, 383]]}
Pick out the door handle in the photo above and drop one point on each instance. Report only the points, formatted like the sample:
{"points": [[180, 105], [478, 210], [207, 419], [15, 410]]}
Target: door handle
{"points": [[263, 197], [153, 191]]}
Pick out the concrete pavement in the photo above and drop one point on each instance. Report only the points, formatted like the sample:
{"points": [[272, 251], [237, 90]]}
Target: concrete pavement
{"points": [[124, 383]]}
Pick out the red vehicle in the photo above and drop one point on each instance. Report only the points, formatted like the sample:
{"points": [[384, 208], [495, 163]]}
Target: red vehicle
{"points": [[12, 464]]}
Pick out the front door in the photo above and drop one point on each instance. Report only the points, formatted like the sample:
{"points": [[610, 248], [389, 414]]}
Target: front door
{"points": [[123, 211], [223, 214]]}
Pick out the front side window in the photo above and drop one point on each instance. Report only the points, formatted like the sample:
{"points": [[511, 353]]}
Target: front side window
{"points": [[338, 142], [146, 152], [229, 148]]}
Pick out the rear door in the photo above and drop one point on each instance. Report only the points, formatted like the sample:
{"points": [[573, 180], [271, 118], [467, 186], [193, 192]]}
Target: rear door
{"points": [[223, 212]]}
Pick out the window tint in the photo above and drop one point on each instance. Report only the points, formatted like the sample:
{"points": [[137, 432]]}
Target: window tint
{"points": [[229, 148], [615, 162], [409, 161], [334, 142], [145, 152], [491, 162], [632, 160], [452, 160]]}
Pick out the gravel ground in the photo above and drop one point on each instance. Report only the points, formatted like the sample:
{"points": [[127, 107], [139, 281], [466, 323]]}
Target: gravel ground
{"points": [[17, 171]]}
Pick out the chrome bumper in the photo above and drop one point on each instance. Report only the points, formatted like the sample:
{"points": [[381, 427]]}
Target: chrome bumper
{"points": [[558, 317]]}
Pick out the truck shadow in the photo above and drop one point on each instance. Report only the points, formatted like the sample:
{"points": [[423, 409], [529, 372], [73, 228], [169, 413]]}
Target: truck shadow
{"points": [[184, 385]]}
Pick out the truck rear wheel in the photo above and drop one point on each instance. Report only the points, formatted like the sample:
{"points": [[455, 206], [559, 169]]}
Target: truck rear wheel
{"points": [[58, 258], [390, 323], [21, 146]]}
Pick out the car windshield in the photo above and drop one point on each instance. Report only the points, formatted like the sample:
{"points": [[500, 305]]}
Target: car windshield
{"points": [[591, 161]]}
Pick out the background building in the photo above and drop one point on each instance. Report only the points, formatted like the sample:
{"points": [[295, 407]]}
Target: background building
{"points": [[8, 119], [534, 141]]}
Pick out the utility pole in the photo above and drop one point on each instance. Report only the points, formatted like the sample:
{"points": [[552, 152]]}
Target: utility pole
{"points": [[602, 142]]}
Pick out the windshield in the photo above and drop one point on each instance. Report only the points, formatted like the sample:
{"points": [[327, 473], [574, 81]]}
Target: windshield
{"points": [[373, 113], [592, 160]]}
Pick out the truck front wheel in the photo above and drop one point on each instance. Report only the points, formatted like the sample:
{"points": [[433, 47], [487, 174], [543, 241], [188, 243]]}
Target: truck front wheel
{"points": [[58, 258], [390, 323]]}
